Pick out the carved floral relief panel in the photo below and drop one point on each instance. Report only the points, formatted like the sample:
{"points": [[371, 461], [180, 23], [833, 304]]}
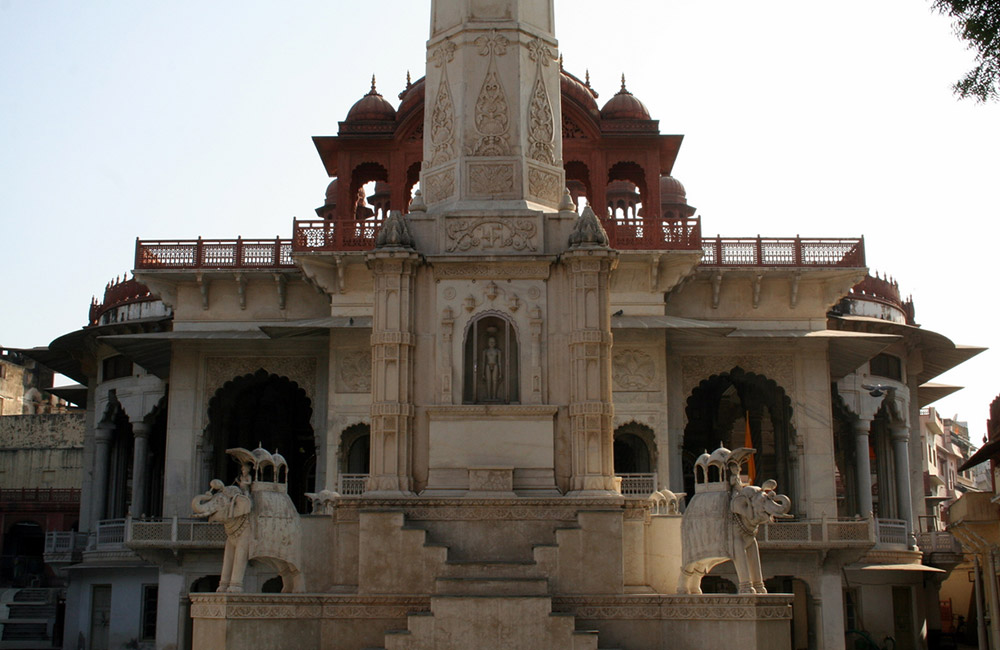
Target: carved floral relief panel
{"points": [[491, 234], [354, 371]]}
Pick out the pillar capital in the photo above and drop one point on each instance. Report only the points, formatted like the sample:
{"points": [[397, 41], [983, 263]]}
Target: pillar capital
{"points": [[104, 431], [900, 432], [140, 429]]}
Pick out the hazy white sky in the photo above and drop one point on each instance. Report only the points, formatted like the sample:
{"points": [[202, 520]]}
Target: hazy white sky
{"points": [[177, 119]]}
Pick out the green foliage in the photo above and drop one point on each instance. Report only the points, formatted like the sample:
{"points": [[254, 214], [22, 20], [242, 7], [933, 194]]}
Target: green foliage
{"points": [[977, 22]]}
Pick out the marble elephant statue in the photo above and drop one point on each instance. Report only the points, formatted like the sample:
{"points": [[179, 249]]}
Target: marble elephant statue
{"points": [[722, 520], [261, 524]]}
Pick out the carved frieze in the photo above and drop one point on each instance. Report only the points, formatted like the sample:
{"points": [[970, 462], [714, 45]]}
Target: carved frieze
{"points": [[439, 185], [544, 185], [443, 124], [633, 369], [539, 270], [354, 371], [491, 234], [492, 112], [541, 125], [489, 179]]}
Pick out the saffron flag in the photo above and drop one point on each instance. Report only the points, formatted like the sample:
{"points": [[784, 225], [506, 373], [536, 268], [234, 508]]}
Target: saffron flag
{"points": [[748, 442]]}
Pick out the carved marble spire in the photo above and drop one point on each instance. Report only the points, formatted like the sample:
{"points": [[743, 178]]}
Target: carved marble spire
{"points": [[491, 120]]}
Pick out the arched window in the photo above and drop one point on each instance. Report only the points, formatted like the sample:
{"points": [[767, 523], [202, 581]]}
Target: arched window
{"points": [[491, 361]]}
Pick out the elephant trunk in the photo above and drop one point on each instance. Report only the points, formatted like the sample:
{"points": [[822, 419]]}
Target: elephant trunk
{"points": [[782, 505], [198, 505]]}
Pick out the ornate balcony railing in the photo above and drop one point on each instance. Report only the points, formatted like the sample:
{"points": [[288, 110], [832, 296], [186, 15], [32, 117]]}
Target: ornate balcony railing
{"points": [[818, 533], [938, 542], [213, 254], [335, 234], [174, 533], [68, 541], [638, 485], [640, 233], [790, 252], [352, 485], [109, 534], [891, 531]]}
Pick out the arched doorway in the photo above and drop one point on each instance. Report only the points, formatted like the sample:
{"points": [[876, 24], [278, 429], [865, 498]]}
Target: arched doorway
{"points": [[120, 456], [845, 458], [355, 459], [23, 548], [635, 459], [263, 409], [718, 411]]}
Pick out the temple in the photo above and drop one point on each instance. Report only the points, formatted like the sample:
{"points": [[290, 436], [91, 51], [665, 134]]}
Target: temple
{"points": [[490, 368]]}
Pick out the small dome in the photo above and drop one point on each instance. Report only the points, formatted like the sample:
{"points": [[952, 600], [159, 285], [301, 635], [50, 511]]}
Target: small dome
{"points": [[412, 96], [671, 190], [720, 456], [331, 193], [372, 107], [579, 91], [624, 106]]}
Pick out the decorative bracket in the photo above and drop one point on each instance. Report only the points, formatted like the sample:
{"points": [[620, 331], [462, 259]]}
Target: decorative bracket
{"points": [[241, 289], [203, 283], [281, 284], [795, 289], [716, 289], [757, 279]]}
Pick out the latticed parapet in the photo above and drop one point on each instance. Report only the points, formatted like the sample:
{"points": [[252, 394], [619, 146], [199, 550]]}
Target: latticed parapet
{"points": [[335, 234], [213, 254], [786, 252]]}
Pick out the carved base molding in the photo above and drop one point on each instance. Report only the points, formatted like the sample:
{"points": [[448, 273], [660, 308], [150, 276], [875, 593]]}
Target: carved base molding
{"points": [[701, 607], [305, 606], [481, 509]]}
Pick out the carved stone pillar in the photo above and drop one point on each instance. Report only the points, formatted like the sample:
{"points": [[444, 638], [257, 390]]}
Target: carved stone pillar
{"points": [[863, 470], [536, 354], [392, 371], [447, 329], [102, 453], [900, 435], [139, 457], [591, 409]]}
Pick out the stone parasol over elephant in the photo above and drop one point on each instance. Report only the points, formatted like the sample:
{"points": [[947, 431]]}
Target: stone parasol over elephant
{"points": [[260, 520], [722, 519]]}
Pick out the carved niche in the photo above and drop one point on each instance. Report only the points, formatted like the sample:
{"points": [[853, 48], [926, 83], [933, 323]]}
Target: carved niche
{"points": [[491, 367]]}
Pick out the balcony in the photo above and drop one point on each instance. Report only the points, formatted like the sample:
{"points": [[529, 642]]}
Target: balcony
{"points": [[637, 485], [783, 252], [818, 534], [352, 485], [892, 532], [938, 542], [213, 254], [632, 233]]}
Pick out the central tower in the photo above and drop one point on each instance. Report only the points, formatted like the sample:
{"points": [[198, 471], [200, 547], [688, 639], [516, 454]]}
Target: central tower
{"points": [[491, 125]]}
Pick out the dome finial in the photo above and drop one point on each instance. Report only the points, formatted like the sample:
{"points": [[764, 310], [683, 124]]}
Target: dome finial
{"points": [[373, 91], [561, 62], [624, 90], [586, 78], [408, 82]]}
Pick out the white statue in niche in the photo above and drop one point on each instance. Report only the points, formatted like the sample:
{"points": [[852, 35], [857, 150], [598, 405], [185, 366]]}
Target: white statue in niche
{"points": [[492, 365]]}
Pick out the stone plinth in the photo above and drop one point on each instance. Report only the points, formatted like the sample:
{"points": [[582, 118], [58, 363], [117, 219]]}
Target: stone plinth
{"points": [[348, 622]]}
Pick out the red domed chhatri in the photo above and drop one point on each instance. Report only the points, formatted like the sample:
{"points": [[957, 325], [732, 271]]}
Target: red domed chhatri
{"points": [[372, 107], [624, 106]]}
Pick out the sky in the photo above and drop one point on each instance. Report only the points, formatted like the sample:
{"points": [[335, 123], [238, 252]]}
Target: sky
{"points": [[170, 120]]}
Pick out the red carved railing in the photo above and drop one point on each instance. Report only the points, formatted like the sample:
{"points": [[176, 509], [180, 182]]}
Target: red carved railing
{"points": [[639, 233], [39, 495], [119, 292], [773, 251], [335, 234], [214, 254]]}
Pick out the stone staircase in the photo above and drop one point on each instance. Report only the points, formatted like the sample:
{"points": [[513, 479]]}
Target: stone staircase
{"points": [[28, 617], [489, 603]]}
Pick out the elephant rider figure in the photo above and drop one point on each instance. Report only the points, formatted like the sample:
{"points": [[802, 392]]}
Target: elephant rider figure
{"points": [[722, 520]]}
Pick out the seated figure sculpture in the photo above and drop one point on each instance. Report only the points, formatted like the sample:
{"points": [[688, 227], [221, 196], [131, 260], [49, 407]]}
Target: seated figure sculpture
{"points": [[722, 520], [260, 520]]}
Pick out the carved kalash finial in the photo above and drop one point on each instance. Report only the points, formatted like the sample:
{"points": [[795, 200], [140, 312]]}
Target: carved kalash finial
{"points": [[567, 205], [560, 63], [395, 232], [375, 92], [623, 91], [588, 231], [586, 78]]}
